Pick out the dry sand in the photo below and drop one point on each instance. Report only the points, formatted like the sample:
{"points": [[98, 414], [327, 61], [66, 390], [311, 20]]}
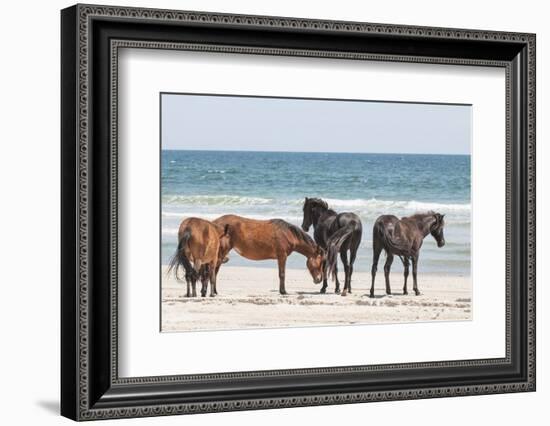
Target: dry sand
{"points": [[248, 297]]}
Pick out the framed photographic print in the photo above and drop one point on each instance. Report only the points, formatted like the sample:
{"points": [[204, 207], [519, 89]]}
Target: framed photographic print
{"points": [[263, 212]]}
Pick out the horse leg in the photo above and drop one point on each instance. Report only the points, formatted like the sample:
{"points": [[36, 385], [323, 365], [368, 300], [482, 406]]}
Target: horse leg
{"points": [[387, 267], [282, 265], [405, 273], [352, 256], [215, 286], [376, 250], [212, 281], [195, 277], [205, 271], [188, 281], [344, 257], [415, 267], [337, 283], [325, 280], [194, 286]]}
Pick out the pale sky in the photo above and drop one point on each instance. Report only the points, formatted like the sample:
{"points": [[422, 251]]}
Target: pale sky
{"points": [[233, 123]]}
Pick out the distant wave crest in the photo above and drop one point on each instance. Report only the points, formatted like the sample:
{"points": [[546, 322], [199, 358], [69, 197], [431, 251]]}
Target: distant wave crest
{"points": [[405, 205], [358, 203], [216, 200]]}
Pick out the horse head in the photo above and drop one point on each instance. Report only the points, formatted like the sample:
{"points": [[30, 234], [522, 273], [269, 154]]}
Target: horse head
{"points": [[436, 230], [315, 264], [306, 223], [311, 211]]}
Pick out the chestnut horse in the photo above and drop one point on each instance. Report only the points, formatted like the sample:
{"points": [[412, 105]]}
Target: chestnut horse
{"points": [[273, 239], [404, 237], [202, 247]]}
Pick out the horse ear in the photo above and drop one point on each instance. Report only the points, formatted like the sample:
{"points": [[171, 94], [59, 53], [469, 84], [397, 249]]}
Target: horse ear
{"points": [[307, 199]]}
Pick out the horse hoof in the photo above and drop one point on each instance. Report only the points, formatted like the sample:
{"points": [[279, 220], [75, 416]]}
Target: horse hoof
{"points": [[417, 293], [388, 293], [323, 291], [405, 293], [212, 295], [337, 291], [371, 295], [344, 293]]}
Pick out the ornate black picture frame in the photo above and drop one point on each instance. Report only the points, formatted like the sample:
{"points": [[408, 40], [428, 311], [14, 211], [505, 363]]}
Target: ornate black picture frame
{"points": [[90, 385]]}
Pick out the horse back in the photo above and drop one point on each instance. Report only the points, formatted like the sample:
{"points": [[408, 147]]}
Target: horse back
{"points": [[386, 220], [251, 238]]}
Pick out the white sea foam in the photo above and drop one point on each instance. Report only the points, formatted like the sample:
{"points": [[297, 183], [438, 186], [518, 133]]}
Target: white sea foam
{"points": [[413, 205], [216, 200], [357, 203], [169, 231], [416, 205]]}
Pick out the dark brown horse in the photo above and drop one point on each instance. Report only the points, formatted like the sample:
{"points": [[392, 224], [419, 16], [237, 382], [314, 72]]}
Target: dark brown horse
{"points": [[202, 248], [273, 239], [403, 238], [337, 233]]}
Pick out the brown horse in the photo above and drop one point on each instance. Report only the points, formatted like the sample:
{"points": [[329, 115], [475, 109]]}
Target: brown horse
{"points": [[273, 239], [202, 248], [403, 238]]}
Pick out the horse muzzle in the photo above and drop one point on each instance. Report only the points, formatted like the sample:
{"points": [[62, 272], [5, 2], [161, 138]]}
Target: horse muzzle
{"points": [[440, 243], [317, 280]]}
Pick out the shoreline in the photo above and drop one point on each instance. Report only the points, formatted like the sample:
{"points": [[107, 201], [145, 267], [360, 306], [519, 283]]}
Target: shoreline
{"points": [[248, 298]]}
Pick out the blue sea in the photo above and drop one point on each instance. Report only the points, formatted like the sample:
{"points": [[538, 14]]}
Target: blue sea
{"points": [[267, 185]]}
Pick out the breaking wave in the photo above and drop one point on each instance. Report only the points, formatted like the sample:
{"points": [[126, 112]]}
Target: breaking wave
{"points": [[372, 203]]}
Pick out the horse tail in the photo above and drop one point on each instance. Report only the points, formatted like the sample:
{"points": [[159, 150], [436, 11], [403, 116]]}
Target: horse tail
{"points": [[379, 234], [334, 244], [180, 258]]}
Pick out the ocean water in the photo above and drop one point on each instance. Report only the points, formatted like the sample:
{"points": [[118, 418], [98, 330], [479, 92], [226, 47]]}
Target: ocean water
{"points": [[267, 185]]}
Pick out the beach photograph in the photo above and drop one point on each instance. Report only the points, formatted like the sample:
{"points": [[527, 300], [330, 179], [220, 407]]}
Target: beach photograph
{"points": [[296, 212]]}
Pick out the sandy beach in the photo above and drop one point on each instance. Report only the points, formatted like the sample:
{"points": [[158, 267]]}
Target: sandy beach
{"points": [[249, 298]]}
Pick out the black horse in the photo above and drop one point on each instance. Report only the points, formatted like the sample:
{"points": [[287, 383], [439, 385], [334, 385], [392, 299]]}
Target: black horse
{"points": [[403, 238], [336, 233]]}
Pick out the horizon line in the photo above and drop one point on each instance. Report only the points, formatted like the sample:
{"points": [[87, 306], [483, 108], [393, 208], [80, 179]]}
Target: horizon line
{"points": [[312, 152]]}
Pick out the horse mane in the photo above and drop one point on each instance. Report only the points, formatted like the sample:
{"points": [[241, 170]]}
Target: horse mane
{"points": [[318, 202], [420, 215], [297, 232], [425, 214]]}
